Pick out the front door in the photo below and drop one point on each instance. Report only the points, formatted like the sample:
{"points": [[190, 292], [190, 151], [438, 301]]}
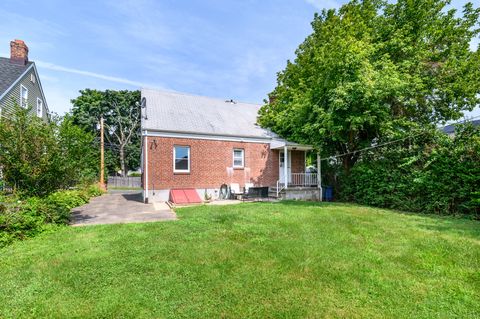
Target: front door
{"points": [[282, 165]]}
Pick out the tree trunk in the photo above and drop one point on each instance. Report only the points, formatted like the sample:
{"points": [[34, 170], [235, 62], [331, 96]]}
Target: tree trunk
{"points": [[348, 162], [122, 160]]}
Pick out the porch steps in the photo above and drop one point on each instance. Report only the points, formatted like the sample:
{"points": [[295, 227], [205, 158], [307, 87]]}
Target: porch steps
{"points": [[272, 192]]}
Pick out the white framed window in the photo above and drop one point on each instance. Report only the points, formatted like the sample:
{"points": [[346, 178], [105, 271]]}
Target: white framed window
{"points": [[23, 96], [238, 157], [181, 159], [39, 107]]}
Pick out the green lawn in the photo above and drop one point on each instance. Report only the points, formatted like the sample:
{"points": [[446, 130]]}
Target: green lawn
{"points": [[263, 260]]}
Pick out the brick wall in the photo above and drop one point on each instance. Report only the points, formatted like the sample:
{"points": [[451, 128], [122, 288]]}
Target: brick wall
{"points": [[211, 164], [298, 162]]}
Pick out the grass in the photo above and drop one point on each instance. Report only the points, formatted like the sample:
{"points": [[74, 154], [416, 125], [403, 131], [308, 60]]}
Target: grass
{"points": [[257, 260]]}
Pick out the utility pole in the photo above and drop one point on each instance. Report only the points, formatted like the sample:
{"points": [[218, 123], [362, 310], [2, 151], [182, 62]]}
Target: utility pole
{"points": [[102, 157]]}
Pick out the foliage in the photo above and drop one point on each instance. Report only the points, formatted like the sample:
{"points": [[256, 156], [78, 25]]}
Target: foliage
{"points": [[431, 173], [38, 158], [253, 260], [374, 68], [81, 157], [122, 124], [23, 218], [29, 153]]}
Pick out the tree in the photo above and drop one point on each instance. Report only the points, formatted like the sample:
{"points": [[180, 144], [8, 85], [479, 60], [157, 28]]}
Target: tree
{"points": [[122, 123], [375, 69], [79, 154], [38, 158]]}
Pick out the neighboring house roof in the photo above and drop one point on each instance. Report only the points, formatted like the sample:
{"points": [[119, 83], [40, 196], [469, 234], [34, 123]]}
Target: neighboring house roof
{"points": [[10, 72], [184, 113], [450, 129]]}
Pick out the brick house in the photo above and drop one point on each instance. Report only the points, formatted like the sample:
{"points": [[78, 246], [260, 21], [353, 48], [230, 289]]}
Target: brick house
{"points": [[20, 83], [201, 143]]}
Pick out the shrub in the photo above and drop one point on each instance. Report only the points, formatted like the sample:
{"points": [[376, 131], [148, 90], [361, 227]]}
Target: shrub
{"points": [[38, 158], [432, 173], [23, 218]]}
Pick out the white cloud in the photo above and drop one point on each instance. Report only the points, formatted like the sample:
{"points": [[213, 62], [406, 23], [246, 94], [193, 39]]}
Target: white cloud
{"points": [[324, 4], [54, 67]]}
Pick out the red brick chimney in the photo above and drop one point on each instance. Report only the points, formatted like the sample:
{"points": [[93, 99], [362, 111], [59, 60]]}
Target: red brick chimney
{"points": [[18, 52]]}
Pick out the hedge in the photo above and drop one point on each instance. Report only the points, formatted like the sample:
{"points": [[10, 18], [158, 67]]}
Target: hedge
{"points": [[22, 218], [432, 173]]}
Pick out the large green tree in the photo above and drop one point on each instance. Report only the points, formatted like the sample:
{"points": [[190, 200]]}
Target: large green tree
{"points": [[122, 124], [374, 69], [38, 158]]}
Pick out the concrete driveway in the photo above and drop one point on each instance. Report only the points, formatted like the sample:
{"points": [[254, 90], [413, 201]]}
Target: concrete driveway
{"points": [[120, 207]]}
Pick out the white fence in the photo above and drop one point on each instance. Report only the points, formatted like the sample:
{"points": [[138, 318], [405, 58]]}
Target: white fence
{"points": [[127, 182]]}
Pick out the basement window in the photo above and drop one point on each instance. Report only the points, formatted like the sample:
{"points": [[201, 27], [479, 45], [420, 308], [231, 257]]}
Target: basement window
{"points": [[181, 159], [238, 158]]}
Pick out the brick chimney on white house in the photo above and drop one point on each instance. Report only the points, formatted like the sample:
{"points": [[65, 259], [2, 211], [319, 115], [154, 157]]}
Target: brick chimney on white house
{"points": [[18, 52]]}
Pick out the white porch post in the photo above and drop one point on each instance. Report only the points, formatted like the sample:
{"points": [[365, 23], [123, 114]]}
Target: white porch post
{"points": [[319, 175], [285, 165]]}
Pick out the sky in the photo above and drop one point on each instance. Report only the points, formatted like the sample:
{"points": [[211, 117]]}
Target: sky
{"points": [[218, 48]]}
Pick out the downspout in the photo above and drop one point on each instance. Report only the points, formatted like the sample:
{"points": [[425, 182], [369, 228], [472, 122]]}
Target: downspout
{"points": [[145, 195]]}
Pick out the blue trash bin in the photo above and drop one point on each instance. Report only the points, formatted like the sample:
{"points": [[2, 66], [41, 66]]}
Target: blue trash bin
{"points": [[328, 193]]}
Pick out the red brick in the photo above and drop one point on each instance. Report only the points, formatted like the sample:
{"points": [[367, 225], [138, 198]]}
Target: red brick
{"points": [[209, 161]]}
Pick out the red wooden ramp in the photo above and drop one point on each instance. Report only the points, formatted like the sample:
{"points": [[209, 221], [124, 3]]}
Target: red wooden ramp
{"points": [[184, 196]]}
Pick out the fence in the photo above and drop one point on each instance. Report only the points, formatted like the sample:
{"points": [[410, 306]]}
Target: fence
{"points": [[127, 182]]}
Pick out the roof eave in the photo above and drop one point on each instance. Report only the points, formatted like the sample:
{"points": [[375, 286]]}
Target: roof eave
{"points": [[16, 81]]}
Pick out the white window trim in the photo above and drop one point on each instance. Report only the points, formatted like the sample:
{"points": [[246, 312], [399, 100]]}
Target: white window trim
{"points": [[21, 96], [243, 157], [175, 157], [40, 114]]}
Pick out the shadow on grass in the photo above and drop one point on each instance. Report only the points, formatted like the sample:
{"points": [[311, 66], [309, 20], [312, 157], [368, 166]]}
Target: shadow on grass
{"points": [[461, 224]]}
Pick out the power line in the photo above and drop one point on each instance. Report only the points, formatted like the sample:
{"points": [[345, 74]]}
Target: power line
{"points": [[392, 142]]}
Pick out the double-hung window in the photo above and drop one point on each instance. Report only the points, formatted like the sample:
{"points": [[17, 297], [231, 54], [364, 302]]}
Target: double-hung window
{"points": [[39, 107], [181, 159], [23, 96], [238, 158]]}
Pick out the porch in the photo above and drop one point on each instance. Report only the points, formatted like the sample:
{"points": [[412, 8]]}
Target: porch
{"points": [[296, 180]]}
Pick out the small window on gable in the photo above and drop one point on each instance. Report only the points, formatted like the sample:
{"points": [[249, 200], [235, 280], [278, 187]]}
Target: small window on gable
{"points": [[23, 96], [181, 159], [32, 78], [39, 107], [238, 158]]}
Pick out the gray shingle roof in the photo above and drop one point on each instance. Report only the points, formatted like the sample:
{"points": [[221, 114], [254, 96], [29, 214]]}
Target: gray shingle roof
{"points": [[10, 72], [178, 112]]}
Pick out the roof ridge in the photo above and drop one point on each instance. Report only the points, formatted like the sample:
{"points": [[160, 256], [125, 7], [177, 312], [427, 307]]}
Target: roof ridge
{"points": [[196, 95]]}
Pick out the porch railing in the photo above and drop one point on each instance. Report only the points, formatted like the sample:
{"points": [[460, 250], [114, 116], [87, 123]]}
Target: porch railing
{"points": [[303, 179], [299, 180]]}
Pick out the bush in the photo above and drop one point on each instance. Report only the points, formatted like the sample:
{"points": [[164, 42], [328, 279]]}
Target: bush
{"points": [[38, 158], [432, 173], [20, 219]]}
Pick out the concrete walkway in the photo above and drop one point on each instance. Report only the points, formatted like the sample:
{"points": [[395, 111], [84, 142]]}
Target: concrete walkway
{"points": [[120, 207]]}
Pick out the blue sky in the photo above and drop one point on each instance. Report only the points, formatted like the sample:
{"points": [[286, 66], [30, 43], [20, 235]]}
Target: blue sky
{"points": [[226, 49]]}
